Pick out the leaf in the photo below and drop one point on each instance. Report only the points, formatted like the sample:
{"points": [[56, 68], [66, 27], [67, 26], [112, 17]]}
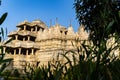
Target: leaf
{"points": [[58, 75], [6, 31], [0, 39], [68, 60], [2, 32], [3, 18], [6, 60], [8, 41], [3, 66], [110, 25], [1, 56]]}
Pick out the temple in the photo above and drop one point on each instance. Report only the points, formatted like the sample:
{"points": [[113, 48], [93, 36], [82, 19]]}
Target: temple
{"points": [[34, 41]]}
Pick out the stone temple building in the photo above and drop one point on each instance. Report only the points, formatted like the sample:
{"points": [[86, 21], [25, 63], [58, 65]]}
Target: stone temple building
{"points": [[34, 41]]}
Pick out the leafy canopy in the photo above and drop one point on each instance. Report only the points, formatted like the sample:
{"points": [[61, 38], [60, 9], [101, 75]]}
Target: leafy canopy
{"points": [[100, 17]]}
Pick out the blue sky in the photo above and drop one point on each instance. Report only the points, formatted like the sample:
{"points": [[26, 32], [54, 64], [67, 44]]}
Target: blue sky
{"points": [[45, 10]]}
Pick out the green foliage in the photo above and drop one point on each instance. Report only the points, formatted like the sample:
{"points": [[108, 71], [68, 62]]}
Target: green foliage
{"points": [[53, 71], [3, 18], [16, 73], [3, 62], [93, 59], [100, 17], [80, 67], [94, 63], [13, 78], [85, 64]]}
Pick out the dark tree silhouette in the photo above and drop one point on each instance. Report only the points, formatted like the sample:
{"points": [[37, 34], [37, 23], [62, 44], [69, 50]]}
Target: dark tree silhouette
{"points": [[100, 17]]}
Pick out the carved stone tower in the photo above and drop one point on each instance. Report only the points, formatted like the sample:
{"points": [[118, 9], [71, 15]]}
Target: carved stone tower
{"points": [[23, 48]]}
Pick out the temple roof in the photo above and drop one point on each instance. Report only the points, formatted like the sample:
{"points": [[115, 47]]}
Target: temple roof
{"points": [[70, 34], [38, 23], [54, 32], [24, 23], [23, 33], [82, 33], [23, 44]]}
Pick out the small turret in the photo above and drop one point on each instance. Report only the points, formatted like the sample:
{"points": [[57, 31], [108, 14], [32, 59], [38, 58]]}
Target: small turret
{"points": [[82, 33], [70, 33]]}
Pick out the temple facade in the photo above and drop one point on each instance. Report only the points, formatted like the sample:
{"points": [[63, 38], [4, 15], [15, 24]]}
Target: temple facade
{"points": [[34, 41]]}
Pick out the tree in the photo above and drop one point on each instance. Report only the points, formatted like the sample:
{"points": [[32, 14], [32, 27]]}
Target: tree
{"points": [[100, 17], [3, 62]]}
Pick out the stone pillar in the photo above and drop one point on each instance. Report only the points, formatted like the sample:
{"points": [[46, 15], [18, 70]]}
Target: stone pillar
{"points": [[36, 28], [24, 27], [28, 38], [19, 28], [23, 38], [19, 51], [31, 29], [16, 37], [14, 51], [32, 51], [9, 53], [40, 30], [27, 52], [4, 48]]}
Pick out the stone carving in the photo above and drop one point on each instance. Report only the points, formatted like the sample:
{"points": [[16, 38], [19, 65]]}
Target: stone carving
{"points": [[34, 41]]}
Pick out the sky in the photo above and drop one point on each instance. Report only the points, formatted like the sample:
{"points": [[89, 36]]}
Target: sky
{"points": [[44, 10]]}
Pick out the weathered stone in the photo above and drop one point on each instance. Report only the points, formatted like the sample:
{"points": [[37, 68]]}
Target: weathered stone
{"points": [[34, 41]]}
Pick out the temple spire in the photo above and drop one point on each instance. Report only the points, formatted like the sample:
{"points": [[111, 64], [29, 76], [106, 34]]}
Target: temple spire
{"points": [[56, 21], [50, 22], [70, 23]]}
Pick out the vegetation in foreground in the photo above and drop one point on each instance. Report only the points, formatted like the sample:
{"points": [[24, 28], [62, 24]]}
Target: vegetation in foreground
{"points": [[95, 61]]}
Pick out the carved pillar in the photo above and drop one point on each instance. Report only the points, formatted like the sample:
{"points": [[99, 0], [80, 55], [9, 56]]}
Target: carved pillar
{"points": [[27, 52], [40, 30], [4, 48], [28, 38], [18, 28], [36, 28], [14, 51], [31, 29], [23, 38], [19, 51], [16, 37], [10, 52], [24, 27], [32, 51]]}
